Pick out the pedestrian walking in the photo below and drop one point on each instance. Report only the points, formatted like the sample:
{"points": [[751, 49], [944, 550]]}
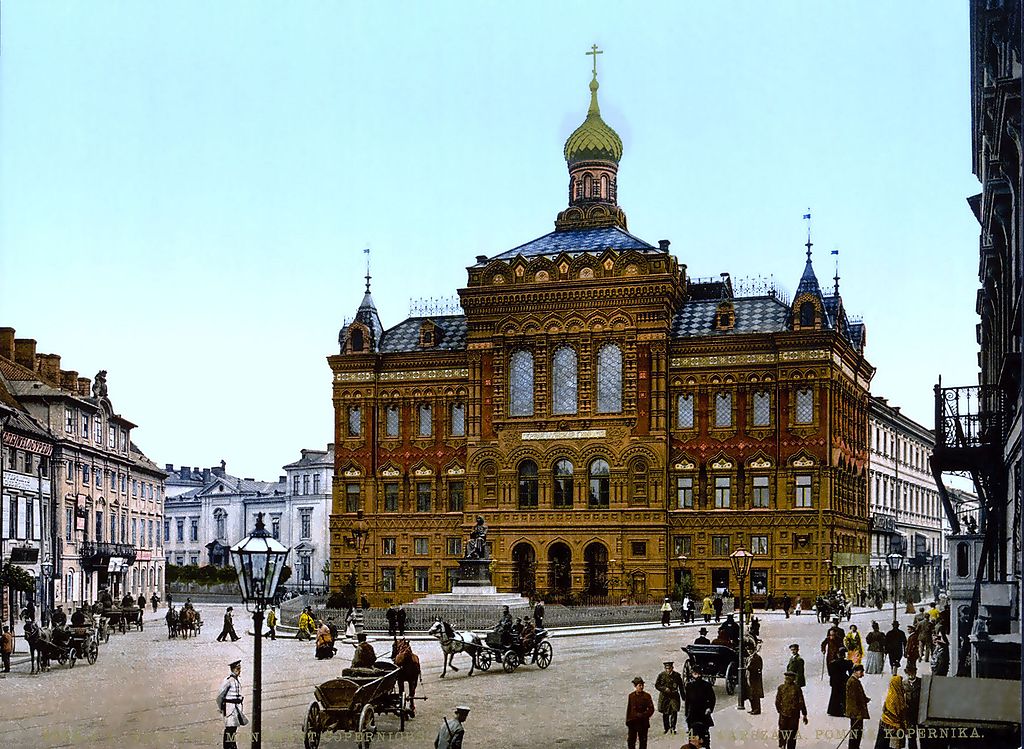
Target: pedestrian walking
{"points": [[769, 604], [707, 609], [787, 604], [789, 702], [142, 602], [856, 706], [272, 623], [451, 732], [639, 709], [538, 614], [854, 645], [229, 627], [155, 600], [670, 695], [392, 617], [940, 656], [895, 642], [796, 665], [893, 724], [717, 604], [913, 647], [925, 631], [912, 695], [875, 661], [755, 683], [229, 702], [6, 648], [686, 610], [699, 700], [839, 671], [666, 613], [400, 618], [748, 609]]}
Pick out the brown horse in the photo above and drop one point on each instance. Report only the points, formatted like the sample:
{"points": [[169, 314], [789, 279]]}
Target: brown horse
{"points": [[409, 670]]}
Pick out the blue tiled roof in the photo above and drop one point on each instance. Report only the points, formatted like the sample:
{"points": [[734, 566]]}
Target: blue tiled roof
{"points": [[405, 337], [579, 241], [761, 314]]}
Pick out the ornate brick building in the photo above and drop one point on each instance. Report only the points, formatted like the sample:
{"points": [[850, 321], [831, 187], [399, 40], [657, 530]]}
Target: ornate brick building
{"points": [[620, 425]]}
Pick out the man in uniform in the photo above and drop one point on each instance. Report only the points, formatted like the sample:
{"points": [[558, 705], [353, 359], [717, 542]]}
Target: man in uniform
{"points": [[789, 701], [229, 702], [700, 703], [796, 665], [639, 709], [451, 732], [670, 694], [229, 627], [365, 656]]}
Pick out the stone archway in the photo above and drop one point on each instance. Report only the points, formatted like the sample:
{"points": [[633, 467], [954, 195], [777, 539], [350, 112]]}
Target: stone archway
{"points": [[559, 569], [595, 569], [524, 569]]}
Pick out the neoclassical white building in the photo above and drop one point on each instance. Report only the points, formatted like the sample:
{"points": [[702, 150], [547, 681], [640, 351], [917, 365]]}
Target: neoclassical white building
{"points": [[207, 510]]}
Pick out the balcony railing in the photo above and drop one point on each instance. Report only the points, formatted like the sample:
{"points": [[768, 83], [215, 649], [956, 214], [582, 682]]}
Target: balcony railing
{"points": [[968, 417], [98, 553]]}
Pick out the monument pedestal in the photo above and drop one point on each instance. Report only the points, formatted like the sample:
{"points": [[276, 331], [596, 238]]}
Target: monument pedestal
{"points": [[475, 573], [474, 589]]}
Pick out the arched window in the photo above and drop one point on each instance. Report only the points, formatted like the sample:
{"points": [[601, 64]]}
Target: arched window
{"points": [[762, 409], [604, 186], [220, 517], [684, 412], [807, 313], [588, 185], [527, 485], [458, 420], [609, 379], [357, 340], [563, 381], [425, 425], [520, 384], [563, 483], [962, 559], [599, 481], [723, 409]]}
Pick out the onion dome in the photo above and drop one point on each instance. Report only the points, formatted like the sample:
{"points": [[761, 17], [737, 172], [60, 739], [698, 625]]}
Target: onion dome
{"points": [[593, 140]]}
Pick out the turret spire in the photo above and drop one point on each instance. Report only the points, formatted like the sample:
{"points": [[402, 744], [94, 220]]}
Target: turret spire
{"points": [[367, 253]]}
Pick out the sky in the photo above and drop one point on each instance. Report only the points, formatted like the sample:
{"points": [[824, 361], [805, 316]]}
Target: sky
{"points": [[186, 188]]}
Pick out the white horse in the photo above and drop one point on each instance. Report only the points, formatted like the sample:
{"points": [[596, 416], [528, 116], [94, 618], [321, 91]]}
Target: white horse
{"points": [[453, 642]]}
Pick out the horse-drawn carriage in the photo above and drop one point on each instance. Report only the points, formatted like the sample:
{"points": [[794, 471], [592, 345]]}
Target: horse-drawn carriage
{"points": [[511, 652], [833, 604], [65, 645], [121, 620], [353, 702], [187, 623], [718, 662]]}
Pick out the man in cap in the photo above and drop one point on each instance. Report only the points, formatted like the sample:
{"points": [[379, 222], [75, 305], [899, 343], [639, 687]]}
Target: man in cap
{"points": [[755, 683], [229, 702], [856, 706], [451, 732], [229, 626], [670, 694], [639, 709], [796, 665], [789, 701], [365, 656], [703, 639], [700, 703], [912, 695], [59, 618]]}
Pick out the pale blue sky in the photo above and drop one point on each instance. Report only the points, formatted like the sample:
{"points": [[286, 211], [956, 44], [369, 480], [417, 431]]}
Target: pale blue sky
{"points": [[186, 187]]}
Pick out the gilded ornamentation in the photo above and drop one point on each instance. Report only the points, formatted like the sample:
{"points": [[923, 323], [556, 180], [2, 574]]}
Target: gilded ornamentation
{"points": [[425, 374], [423, 471], [353, 376], [390, 472], [684, 465], [586, 273], [760, 463], [722, 464], [803, 462], [353, 472]]}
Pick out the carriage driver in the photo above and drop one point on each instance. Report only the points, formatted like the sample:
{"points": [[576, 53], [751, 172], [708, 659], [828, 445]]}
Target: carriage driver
{"points": [[365, 656], [504, 625], [229, 702]]}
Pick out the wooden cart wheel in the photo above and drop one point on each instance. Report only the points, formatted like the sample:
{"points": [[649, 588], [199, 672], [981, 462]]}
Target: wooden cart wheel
{"points": [[367, 726], [544, 653], [92, 652], [483, 659], [72, 656], [311, 727], [404, 710], [510, 661], [687, 671], [730, 679]]}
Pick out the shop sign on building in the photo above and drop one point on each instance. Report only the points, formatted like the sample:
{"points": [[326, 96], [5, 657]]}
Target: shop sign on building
{"points": [[27, 443]]}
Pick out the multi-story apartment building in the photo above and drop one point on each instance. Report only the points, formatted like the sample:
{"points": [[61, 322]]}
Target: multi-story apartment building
{"points": [[906, 511], [210, 510], [108, 498]]}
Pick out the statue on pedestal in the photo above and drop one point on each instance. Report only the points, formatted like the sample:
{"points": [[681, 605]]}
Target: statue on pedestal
{"points": [[476, 547]]}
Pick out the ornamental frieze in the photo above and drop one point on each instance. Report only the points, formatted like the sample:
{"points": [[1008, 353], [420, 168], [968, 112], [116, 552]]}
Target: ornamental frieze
{"points": [[718, 360], [424, 374], [353, 376]]}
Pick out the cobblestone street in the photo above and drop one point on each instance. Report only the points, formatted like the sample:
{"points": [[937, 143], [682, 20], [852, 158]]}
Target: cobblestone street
{"points": [[148, 691]]}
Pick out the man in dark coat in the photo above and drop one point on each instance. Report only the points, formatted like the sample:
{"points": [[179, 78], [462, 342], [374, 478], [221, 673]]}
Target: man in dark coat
{"points": [[703, 638], [755, 684], [838, 674], [796, 665], [912, 694], [787, 604], [895, 642], [833, 641], [154, 599], [538, 614], [699, 698], [856, 706], [717, 604], [639, 709], [401, 615], [229, 627], [58, 618], [364, 656], [392, 616], [142, 601], [789, 701], [731, 629], [670, 694]]}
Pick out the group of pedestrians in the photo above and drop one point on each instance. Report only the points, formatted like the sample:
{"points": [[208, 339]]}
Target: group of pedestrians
{"points": [[396, 617], [696, 698]]}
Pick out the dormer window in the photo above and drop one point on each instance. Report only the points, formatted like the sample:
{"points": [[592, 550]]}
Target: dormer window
{"points": [[357, 341], [428, 334], [807, 315], [725, 317]]}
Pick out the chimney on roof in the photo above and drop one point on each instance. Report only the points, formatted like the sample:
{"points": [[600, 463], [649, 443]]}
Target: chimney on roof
{"points": [[7, 343], [49, 367], [282, 479], [25, 352], [303, 453], [186, 473], [481, 258], [169, 467], [248, 478], [84, 386], [206, 475], [69, 380], [330, 446], [663, 245], [218, 470]]}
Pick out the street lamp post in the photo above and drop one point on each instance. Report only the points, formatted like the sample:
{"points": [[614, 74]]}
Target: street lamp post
{"points": [[741, 561], [258, 559], [360, 533], [895, 561]]}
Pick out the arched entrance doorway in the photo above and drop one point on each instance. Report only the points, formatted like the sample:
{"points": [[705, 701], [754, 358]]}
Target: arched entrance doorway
{"points": [[524, 569], [595, 575], [559, 569]]}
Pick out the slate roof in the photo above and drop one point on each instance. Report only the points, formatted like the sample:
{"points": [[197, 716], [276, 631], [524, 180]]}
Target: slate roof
{"points": [[577, 242], [762, 314], [405, 337], [313, 458]]}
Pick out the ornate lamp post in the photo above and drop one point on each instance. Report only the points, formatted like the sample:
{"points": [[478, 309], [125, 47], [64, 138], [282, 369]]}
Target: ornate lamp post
{"points": [[741, 561], [258, 559], [360, 533], [895, 561]]}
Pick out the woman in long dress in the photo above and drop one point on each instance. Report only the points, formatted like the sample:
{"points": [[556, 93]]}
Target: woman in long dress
{"points": [[839, 672], [875, 661], [854, 645]]}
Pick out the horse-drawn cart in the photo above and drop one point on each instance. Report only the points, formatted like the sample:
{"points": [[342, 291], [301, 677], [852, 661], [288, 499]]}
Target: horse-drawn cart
{"points": [[511, 652], [353, 702], [718, 662], [67, 645]]}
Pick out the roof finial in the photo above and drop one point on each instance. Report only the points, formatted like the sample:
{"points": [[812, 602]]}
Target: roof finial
{"points": [[807, 217], [836, 276], [594, 52], [594, 108], [367, 253]]}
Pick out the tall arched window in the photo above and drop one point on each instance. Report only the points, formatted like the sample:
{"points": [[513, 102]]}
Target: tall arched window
{"points": [[807, 313], [527, 485], [609, 379], [520, 384], [563, 381], [599, 481], [563, 483]]}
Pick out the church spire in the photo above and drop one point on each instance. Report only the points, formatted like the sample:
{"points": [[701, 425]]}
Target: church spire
{"points": [[363, 334]]}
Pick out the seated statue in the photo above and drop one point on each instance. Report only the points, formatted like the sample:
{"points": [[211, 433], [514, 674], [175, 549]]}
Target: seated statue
{"points": [[476, 547]]}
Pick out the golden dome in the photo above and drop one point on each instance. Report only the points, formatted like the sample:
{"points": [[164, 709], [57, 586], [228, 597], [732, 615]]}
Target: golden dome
{"points": [[593, 140]]}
